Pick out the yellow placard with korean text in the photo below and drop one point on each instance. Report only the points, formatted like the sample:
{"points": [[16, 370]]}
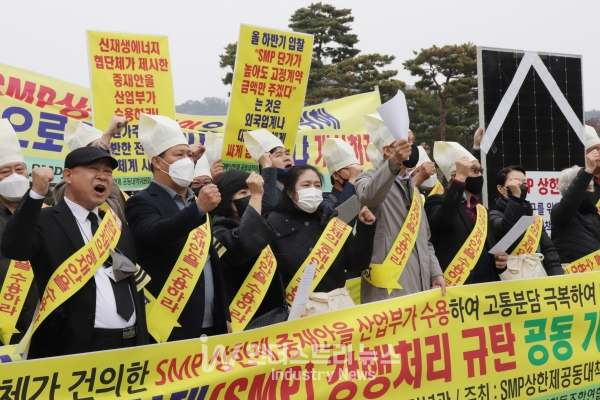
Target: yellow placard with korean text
{"points": [[16, 284], [164, 310], [387, 274], [39, 106], [534, 338], [324, 252], [130, 74], [75, 272], [531, 239], [249, 297], [467, 257], [342, 118], [268, 90]]}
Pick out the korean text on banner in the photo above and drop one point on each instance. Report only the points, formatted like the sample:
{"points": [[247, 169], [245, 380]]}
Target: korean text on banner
{"points": [[535, 338], [344, 119], [543, 194], [38, 107], [269, 85], [130, 74]]}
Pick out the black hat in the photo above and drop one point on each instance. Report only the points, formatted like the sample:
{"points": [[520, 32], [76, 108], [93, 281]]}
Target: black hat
{"points": [[229, 183], [87, 155]]}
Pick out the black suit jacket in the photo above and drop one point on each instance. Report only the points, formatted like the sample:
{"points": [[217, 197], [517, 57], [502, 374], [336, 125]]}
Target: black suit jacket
{"points": [[31, 298], [450, 227], [47, 237], [160, 231]]}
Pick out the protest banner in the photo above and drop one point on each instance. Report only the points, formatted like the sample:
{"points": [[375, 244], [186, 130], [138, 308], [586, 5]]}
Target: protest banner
{"points": [[344, 119], [38, 106], [543, 194], [269, 85], [535, 339], [130, 74]]}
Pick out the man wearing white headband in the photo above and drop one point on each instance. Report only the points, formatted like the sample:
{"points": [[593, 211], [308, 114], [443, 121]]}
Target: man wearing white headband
{"points": [[343, 167], [454, 215], [274, 162], [390, 193], [14, 183], [161, 218]]}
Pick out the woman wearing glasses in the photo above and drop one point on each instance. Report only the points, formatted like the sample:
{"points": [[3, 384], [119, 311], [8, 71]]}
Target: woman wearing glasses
{"points": [[460, 232]]}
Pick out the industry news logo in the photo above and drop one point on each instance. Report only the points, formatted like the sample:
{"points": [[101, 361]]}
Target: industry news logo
{"points": [[291, 374]]}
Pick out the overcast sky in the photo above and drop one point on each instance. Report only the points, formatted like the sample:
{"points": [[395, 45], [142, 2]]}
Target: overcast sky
{"points": [[49, 36]]}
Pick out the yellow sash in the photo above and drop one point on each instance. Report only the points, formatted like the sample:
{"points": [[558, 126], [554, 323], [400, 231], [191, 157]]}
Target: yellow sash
{"points": [[598, 206], [437, 189], [324, 253], [589, 263], [464, 261], [163, 313], [253, 290], [75, 272], [531, 240], [12, 297], [387, 274]]}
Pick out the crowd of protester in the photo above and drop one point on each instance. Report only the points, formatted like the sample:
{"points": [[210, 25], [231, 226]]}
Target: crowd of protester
{"points": [[408, 231]]}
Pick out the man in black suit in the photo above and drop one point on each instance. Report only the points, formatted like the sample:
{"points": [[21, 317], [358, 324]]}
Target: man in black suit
{"points": [[161, 218], [103, 314], [452, 215], [14, 183]]}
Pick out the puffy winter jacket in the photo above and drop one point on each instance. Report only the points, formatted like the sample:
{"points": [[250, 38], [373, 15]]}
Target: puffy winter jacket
{"points": [[575, 234], [244, 241], [298, 232], [507, 214]]}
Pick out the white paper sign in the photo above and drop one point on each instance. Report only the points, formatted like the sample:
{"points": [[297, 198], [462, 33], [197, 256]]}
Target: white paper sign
{"points": [[395, 115], [301, 299], [515, 232]]}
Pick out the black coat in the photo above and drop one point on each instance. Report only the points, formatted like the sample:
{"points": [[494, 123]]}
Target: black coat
{"points": [[47, 237], [160, 231], [31, 300], [298, 232], [575, 234], [450, 227], [244, 241], [507, 214]]}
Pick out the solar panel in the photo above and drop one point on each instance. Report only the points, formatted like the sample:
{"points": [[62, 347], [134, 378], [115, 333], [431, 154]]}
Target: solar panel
{"points": [[535, 133]]}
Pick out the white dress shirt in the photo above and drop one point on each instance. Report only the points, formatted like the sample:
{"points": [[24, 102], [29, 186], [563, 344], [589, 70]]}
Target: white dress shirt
{"points": [[106, 307]]}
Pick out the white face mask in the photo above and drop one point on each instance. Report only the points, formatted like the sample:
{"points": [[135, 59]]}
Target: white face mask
{"points": [[181, 171], [309, 199], [13, 187]]}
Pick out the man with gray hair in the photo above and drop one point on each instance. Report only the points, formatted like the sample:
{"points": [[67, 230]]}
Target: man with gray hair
{"points": [[575, 220]]}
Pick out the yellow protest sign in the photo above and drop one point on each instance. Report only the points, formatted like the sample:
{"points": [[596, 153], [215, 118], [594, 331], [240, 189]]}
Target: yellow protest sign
{"points": [[344, 119], [534, 338], [130, 75], [38, 108], [269, 85]]}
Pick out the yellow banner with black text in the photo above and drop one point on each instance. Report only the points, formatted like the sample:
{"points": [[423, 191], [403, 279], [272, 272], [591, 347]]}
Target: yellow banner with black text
{"points": [[520, 339]]}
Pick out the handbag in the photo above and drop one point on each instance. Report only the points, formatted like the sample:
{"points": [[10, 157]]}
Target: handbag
{"points": [[524, 266], [275, 316]]}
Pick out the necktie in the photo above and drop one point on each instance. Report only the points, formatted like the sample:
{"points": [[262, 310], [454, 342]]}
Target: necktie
{"points": [[120, 289]]}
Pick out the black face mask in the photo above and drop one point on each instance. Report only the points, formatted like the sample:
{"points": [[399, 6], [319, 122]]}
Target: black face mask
{"points": [[241, 205], [523, 195], [414, 157], [282, 173], [197, 191], [474, 185], [523, 191]]}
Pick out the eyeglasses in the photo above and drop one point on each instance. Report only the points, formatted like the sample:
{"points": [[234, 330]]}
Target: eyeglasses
{"points": [[205, 183], [477, 170]]}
